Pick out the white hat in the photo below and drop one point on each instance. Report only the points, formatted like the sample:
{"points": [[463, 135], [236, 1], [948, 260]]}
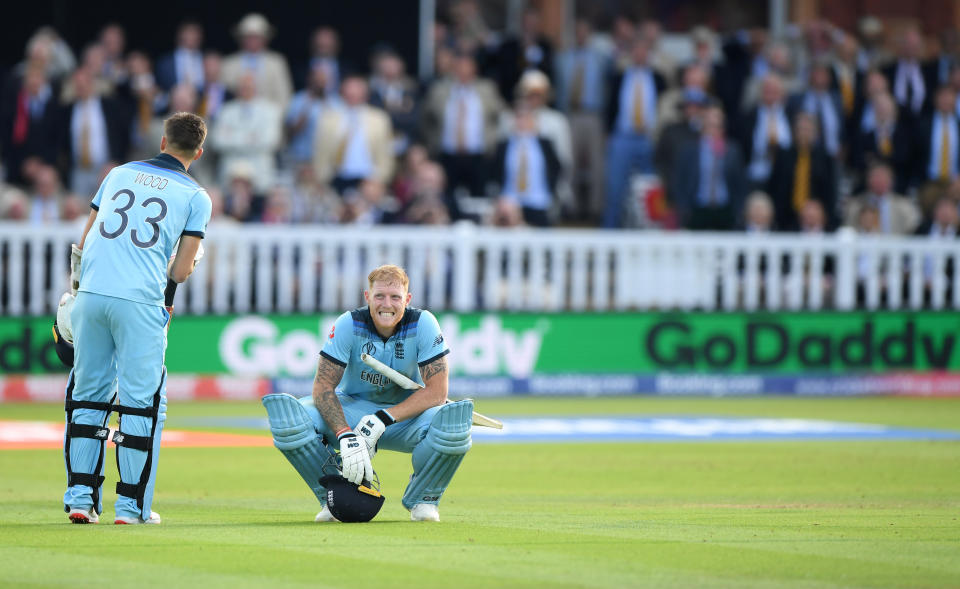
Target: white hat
{"points": [[254, 24]]}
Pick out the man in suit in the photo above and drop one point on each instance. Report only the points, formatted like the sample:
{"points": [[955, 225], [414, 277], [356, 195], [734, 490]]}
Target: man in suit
{"points": [[939, 68], [530, 50], [678, 134], [527, 170], [353, 141], [766, 131], [459, 124], [303, 117], [324, 55], [580, 75], [533, 91], [825, 105], [708, 186], [632, 119], [907, 78], [94, 133], [896, 215], [185, 64], [943, 225], [889, 141], [215, 93], [846, 80], [249, 131], [945, 222], [28, 122], [863, 118], [802, 172], [269, 68], [938, 146], [392, 90], [670, 110]]}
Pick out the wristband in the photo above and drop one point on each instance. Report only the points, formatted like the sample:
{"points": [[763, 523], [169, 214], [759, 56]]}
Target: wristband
{"points": [[169, 292], [344, 432], [385, 417]]}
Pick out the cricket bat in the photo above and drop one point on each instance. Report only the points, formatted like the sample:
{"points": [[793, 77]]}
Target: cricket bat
{"points": [[404, 382]]}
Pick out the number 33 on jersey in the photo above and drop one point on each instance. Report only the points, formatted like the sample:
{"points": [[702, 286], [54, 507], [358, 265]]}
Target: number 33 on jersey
{"points": [[142, 210]]}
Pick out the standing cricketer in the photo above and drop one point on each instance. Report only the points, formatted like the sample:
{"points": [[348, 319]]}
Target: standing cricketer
{"points": [[361, 411], [121, 269]]}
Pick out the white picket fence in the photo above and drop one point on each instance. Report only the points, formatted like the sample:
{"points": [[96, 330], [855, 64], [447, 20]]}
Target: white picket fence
{"points": [[287, 269]]}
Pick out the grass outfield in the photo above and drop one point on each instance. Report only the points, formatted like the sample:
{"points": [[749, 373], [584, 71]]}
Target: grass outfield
{"points": [[810, 514]]}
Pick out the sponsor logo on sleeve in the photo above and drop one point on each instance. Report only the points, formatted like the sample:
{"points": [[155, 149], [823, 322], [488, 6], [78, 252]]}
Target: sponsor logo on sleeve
{"points": [[438, 340]]}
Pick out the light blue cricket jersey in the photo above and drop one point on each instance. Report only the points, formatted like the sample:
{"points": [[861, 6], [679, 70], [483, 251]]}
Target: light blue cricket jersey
{"points": [[416, 342], [142, 210]]}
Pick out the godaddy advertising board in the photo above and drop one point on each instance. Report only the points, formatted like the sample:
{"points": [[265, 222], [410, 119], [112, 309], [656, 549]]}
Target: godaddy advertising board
{"points": [[569, 353]]}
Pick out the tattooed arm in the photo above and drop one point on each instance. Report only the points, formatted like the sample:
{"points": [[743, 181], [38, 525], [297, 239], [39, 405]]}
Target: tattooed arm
{"points": [[328, 377], [435, 377]]}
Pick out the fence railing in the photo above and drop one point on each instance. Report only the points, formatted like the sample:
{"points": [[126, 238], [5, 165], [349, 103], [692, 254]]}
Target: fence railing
{"points": [[287, 269]]}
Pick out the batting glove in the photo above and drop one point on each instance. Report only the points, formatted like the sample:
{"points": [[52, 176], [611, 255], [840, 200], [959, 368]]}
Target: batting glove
{"points": [[371, 427], [356, 466], [75, 254], [64, 324]]}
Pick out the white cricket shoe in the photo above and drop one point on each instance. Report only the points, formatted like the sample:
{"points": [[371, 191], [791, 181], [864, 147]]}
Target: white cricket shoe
{"points": [[154, 519], [83, 516], [325, 516], [425, 512]]}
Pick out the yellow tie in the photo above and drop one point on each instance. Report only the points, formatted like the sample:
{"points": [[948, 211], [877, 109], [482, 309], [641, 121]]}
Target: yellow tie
{"points": [[944, 150], [144, 114], [522, 168], [638, 118], [202, 110], [801, 179], [886, 145], [846, 93], [576, 89], [86, 159]]}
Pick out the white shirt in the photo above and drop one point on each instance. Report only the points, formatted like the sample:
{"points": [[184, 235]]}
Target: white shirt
{"points": [[472, 123], [357, 162], [537, 193], [821, 105], [90, 112], [908, 72], [648, 90], [44, 210], [189, 67], [760, 166], [936, 137]]}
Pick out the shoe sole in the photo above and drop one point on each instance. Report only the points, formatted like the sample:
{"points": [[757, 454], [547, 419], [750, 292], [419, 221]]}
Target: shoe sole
{"points": [[120, 522], [80, 519]]}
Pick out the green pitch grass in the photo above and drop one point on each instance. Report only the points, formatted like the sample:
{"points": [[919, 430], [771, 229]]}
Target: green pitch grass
{"points": [[726, 514]]}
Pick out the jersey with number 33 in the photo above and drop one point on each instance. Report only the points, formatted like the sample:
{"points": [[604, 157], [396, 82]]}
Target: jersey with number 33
{"points": [[142, 210]]}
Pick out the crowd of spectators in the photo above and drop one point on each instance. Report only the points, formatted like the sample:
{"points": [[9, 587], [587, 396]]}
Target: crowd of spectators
{"points": [[817, 129]]}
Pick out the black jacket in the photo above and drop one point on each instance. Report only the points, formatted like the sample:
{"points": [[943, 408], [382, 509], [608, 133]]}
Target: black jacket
{"points": [[823, 186]]}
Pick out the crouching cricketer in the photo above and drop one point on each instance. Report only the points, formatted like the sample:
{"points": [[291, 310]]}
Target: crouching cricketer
{"points": [[360, 411]]}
